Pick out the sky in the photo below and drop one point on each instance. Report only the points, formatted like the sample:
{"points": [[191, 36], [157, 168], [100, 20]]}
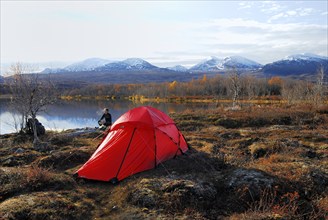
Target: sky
{"points": [[165, 33]]}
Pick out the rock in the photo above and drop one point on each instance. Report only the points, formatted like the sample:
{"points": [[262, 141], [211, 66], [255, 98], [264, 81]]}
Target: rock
{"points": [[286, 120], [61, 140], [241, 177], [258, 150], [230, 135], [229, 123], [114, 208], [143, 197], [9, 161], [145, 210], [62, 160], [19, 150], [43, 147], [18, 159], [249, 184], [188, 190], [320, 180], [290, 143], [311, 154]]}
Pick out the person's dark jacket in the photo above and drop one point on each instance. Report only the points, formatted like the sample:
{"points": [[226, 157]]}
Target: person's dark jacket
{"points": [[108, 118]]}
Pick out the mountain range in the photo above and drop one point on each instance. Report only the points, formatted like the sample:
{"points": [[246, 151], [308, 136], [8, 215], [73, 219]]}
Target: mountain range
{"points": [[213, 64], [134, 70]]}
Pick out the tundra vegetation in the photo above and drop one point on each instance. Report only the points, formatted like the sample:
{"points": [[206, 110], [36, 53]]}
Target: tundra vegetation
{"points": [[255, 162], [258, 162]]}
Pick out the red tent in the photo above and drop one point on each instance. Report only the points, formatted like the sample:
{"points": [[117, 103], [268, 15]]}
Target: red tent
{"points": [[139, 140]]}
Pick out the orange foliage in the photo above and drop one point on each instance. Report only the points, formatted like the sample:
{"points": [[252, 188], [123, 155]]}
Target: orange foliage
{"points": [[204, 78], [276, 80], [173, 85]]}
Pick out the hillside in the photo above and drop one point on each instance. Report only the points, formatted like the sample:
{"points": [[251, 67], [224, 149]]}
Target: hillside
{"points": [[298, 65], [124, 76], [255, 163]]}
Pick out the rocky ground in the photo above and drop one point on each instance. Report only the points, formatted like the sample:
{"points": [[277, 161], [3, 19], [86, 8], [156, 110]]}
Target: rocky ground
{"points": [[254, 163]]}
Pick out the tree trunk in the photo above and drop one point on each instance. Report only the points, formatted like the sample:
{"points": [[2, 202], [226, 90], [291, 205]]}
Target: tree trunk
{"points": [[22, 123], [36, 140]]}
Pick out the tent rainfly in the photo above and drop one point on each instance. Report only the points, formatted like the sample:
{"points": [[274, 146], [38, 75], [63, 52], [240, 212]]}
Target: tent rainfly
{"points": [[139, 140]]}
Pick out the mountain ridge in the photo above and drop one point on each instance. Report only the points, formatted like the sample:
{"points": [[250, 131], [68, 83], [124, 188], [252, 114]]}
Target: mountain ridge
{"points": [[138, 70], [211, 64]]}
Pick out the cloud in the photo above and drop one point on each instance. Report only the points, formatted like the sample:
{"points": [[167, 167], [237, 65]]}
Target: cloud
{"points": [[262, 40], [291, 13], [245, 5], [299, 12], [173, 31], [305, 11], [277, 16], [270, 7]]}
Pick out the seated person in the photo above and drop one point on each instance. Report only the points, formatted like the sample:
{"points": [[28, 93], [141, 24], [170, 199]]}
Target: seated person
{"points": [[106, 119]]}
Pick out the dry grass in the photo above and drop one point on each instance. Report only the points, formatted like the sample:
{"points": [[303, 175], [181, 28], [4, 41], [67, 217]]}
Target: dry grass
{"points": [[47, 205], [36, 174], [260, 162]]}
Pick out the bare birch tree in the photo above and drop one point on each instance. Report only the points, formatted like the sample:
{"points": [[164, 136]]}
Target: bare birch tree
{"points": [[251, 87], [234, 85], [318, 90], [31, 94]]}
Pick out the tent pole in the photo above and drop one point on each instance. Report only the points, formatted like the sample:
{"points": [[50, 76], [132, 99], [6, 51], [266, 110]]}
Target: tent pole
{"points": [[126, 152], [155, 150]]}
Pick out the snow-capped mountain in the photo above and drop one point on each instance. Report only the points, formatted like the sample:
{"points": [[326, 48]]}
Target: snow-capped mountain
{"points": [[240, 63], [305, 56], [298, 64], [53, 70], [211, 64], [178, 68], [217, 64], [128, 64], [294, 65], [86, 65]]}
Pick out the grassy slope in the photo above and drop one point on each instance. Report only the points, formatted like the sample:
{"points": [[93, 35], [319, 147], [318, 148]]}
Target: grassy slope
{"points": [[255, 163]]}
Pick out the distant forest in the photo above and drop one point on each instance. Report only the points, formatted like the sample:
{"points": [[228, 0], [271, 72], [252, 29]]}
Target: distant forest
{"points": [[218, 87], [231, 86]]}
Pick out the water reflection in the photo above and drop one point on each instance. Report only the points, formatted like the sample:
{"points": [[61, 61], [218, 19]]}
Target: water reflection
{"points": [[77, 114]]}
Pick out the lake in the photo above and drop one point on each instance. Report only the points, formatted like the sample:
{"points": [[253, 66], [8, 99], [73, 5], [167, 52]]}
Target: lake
{"points": [[85, 113]]}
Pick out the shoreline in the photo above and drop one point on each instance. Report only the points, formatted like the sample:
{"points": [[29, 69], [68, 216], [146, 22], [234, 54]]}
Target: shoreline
{"points": [[178, 99]]}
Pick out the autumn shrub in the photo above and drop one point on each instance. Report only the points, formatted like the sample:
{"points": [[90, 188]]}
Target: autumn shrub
{"points": [[36, 174], [276, 203]]}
